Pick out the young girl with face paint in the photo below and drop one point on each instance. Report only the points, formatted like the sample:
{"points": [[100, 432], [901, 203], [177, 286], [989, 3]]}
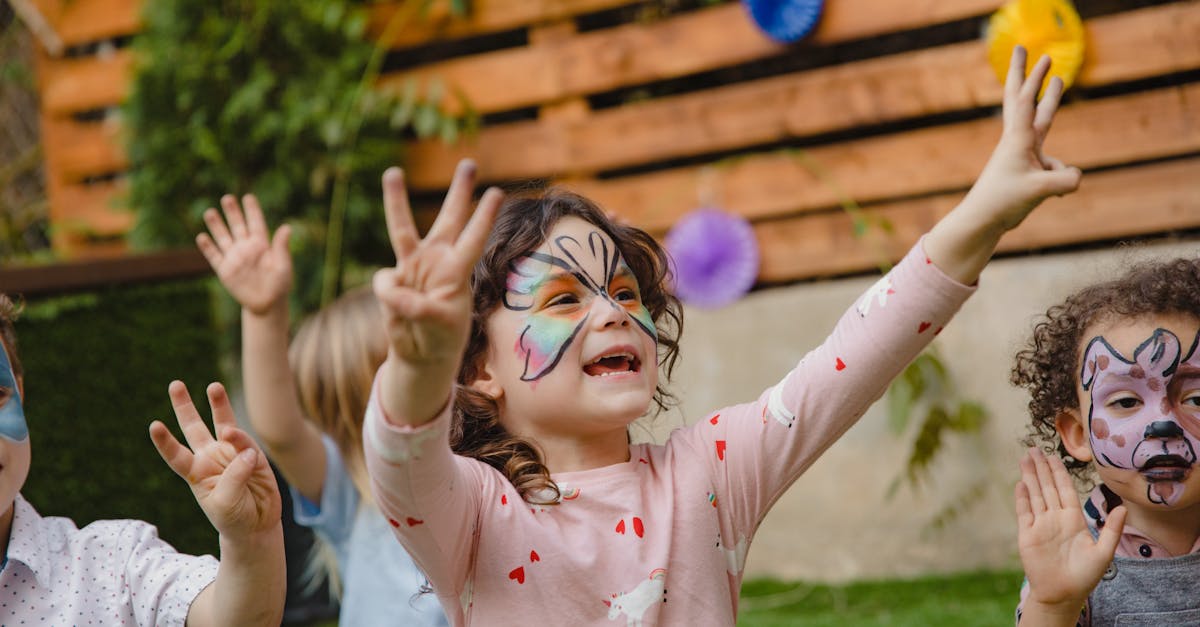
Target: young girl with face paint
{"points": [[307, 404], [1114, 372], [119, 571], [496, 436]]}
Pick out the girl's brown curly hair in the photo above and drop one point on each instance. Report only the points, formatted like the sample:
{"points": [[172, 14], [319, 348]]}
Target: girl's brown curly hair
{"points": [[1049, 365], [522, 225]]}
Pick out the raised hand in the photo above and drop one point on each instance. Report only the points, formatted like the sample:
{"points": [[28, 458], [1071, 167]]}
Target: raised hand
{"points": [[229, 476], [256, 270], [426, 297], [1062, 561], [1019, 175]]}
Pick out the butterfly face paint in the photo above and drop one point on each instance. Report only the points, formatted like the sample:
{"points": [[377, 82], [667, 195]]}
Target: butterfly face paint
{"points": [[557, 291], [12, 414], [1145, 410]]}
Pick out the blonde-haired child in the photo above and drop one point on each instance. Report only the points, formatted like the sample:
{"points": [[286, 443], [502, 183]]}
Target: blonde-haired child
{"points": [[307, 404], [119, 571], [553, 344]]}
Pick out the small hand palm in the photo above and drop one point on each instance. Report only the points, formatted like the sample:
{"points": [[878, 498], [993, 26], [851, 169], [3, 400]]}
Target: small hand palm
{"points": [[228, 475], [1060, 555], [426, 297], [256, 270], [1062, 561], [1019, 175], [249, 509]]}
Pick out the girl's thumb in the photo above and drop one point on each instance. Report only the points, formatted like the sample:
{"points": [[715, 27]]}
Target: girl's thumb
{"points": [[1110, 534], [1059, 182], [236, 476]]}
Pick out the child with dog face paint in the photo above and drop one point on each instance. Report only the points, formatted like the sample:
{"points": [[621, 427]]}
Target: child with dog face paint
{"points": [[119, 571], [526, 338], [1115, 376]]}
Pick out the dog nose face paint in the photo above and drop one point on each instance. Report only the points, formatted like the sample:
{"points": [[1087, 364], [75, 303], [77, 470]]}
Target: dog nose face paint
{"points": [[12, 414], [1145, 410]]}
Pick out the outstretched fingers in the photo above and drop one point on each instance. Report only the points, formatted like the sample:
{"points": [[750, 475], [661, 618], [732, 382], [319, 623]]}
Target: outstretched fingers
{"points": [[1047, 107], [1110, 533], [177, 456], [234, 216], [216, 226], [470, 244], [194, 430], [456, 208], [222, 410], [402, 231], [256, 224], [1029, 479]]}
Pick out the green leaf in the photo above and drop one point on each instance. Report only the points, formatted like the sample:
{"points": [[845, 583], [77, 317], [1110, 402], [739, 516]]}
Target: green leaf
{"points": [[900, 403], [970, 418], [426, 120]]}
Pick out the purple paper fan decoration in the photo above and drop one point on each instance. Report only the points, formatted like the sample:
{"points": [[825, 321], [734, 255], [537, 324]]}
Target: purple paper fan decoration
{"points": [[715, 257]]}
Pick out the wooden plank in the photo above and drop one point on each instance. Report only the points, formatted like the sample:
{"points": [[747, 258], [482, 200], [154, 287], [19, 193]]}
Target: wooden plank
{"points": [[86, 21], [692, 42], [97, 209], [77, 150], [1140, 126], [485, 16], [81, 84], [101, 273], [1114, 204], [1161, 39]]}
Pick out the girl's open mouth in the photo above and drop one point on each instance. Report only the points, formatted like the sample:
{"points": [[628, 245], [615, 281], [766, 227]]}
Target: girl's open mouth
{"points": [[613, 364]]}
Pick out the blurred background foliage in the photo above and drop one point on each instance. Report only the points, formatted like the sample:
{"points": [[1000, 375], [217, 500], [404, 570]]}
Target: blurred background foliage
{"points": [[97, 365], [274, 98]]}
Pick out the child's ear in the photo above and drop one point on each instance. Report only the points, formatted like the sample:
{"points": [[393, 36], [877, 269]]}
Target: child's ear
{"points": [[1074, 434], [485, 382]]}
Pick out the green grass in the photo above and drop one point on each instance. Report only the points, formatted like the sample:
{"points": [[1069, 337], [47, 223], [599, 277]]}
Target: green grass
{"points": [[978, 599]]}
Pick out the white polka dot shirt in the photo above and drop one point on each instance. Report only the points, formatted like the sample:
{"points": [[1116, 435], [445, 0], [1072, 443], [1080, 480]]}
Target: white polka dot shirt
{"points": [[111, 572]]}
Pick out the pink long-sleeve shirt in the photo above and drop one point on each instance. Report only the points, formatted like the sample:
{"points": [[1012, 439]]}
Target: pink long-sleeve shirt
{"points": [[662, 538]]}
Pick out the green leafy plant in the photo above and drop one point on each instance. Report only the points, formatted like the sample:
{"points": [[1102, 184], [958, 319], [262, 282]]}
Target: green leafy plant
{"points": [[278, 99]]}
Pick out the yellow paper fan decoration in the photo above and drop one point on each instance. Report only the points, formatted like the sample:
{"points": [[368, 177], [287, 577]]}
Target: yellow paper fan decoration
{"points": [[1048, 27]]}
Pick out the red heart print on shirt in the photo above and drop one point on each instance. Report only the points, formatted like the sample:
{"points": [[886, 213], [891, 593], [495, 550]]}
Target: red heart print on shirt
{"points": [[721, 450], [924, 326], [639, 528], [517, 574], [840, 365], [534, 557], [714, 419], [413, 522]]}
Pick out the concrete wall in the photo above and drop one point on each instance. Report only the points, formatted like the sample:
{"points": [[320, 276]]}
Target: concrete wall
{"points": [[815, 532]]}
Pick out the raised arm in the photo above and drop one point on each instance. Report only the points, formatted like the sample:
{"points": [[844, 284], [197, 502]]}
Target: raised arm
{"points": [[257, 271], [426, 297], [1017, 177], [235, 487], [1063, 563]]}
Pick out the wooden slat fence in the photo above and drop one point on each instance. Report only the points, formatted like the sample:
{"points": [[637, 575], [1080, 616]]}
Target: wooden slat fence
{"points": [[887, 103]]}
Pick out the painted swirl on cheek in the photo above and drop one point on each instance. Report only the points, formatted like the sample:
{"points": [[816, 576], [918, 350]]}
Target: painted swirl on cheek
{"points": [[543, 342], [12, 414]]}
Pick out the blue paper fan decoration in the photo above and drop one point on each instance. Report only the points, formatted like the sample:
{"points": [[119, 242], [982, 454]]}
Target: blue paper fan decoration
{"points": [[785, 21], [715, 257]]}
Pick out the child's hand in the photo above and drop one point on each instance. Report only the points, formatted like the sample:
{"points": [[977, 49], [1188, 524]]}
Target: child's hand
{"points": [[1019, 176], [1016, 178], [1062, 561], [228, 475], [255, 270], [426, 298]]}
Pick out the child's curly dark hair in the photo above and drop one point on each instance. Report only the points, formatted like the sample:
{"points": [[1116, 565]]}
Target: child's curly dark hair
{"points": [[1049, 365], [521, 226]]}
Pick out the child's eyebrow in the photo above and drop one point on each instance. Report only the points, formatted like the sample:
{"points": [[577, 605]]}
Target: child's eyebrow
{"points": [[1187, 371]]}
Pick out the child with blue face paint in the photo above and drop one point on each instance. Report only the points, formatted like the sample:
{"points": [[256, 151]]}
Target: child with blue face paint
{"points": [[119, 571], [525, 339], [1114, 372]]}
